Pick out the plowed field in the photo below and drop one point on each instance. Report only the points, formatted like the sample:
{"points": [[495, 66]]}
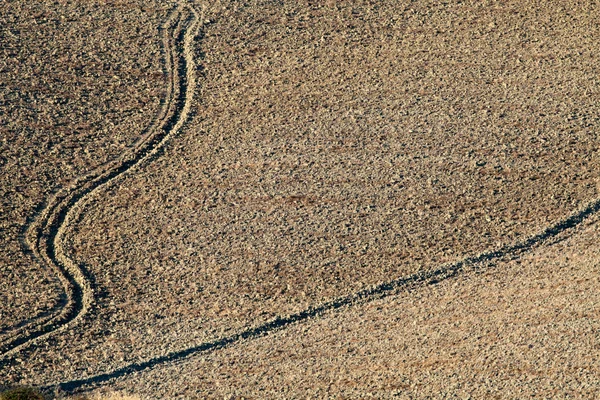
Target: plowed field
{"points": [[292, 199]]}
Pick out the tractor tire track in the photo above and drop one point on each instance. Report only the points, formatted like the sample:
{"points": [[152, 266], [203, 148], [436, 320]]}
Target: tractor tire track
{"points": [[45, 235], [48, 230], [368, 294]]}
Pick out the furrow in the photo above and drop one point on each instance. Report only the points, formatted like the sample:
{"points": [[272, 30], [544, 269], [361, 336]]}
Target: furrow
{"points": [[366, 295], [46, 233]]}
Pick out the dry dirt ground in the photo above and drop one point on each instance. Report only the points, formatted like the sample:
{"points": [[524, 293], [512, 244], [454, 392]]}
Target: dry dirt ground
{"points": [[312, 150], [74, 92], [521, 328]]}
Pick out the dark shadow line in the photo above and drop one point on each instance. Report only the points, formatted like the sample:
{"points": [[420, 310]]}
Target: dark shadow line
{"points": [[365, 295]]}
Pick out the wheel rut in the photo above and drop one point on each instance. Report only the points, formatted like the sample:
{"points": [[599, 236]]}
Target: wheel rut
{"points": [[45, 235], [379, 291]]}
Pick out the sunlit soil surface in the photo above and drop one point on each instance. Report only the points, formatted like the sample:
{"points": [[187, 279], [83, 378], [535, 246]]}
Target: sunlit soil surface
{"points": [[334, 147]]}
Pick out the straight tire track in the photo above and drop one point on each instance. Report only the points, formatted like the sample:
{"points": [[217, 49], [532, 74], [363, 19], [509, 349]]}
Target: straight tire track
{"points": [[366, 295], [46, 233], [172, 124]]}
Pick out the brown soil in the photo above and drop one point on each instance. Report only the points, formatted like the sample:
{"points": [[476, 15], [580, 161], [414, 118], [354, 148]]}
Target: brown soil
{"points": [[332, 147], [68, 105], [522, 328]]}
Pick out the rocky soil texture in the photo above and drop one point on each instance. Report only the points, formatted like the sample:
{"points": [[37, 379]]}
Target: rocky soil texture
{"points": [[285, 199]]}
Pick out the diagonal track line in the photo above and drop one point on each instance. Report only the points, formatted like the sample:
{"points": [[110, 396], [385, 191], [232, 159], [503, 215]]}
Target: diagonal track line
{"points": [[365, 295], [46, 237]]}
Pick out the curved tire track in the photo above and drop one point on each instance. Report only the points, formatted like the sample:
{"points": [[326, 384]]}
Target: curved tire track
{"points": [[46, 233]]}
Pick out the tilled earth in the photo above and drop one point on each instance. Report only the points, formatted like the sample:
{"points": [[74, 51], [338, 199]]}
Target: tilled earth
{"points": [[333, 146], [524, 328], [74, 93]]}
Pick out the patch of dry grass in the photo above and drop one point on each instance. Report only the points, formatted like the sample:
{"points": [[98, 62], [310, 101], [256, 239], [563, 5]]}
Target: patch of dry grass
{"points": [[109, 396], [21, 393]]}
